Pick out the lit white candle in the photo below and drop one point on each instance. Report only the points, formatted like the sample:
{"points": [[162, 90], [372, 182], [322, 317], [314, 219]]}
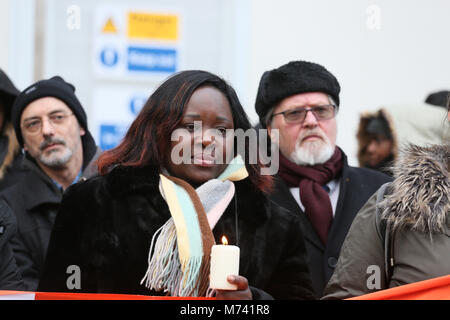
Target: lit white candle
{"points": [[224, 262]]}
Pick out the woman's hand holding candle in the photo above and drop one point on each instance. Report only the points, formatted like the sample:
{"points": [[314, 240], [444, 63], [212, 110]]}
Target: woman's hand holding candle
{"points": [[224, 276], [241, 293]]}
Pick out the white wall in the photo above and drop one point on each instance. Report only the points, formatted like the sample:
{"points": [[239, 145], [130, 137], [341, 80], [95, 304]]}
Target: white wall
{"points": [[403, 60], [19, 33], [16, 40]]}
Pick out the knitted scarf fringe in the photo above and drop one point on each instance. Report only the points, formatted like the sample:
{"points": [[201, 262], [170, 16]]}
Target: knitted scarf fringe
{"points": [[166, 272]]}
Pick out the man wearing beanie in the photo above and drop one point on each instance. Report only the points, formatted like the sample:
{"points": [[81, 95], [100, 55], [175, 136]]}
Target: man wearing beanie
{"points": [[301, 99], [51, 127]]}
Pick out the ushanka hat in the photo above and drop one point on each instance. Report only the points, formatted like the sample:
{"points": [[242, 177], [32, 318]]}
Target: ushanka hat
{"points": [[293, 78], [53, 87]]}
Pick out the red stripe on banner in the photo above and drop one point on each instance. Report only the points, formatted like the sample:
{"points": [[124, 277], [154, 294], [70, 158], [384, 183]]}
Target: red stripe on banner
{"points": [[432, 289], [92, 296], [9, 292]]}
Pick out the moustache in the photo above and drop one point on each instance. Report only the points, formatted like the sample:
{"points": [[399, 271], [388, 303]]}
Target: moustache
{"points": [[51, 141], [313, 132]]}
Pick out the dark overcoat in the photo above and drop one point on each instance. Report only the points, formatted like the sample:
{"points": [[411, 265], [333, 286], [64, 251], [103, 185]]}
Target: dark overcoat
{"points": [[105, 226], [356, 187], [34, 200], [10, 278]]}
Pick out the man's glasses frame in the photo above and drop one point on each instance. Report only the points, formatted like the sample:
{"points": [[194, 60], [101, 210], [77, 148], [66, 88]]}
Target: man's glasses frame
{"points": [[34, 125], [298, 115]]}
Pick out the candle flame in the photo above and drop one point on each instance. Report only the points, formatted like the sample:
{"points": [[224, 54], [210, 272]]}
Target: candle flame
{"points": [[224, 240]]}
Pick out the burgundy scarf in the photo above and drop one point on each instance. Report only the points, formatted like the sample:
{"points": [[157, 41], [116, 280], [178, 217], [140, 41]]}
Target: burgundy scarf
{"points": [[310, 180]]}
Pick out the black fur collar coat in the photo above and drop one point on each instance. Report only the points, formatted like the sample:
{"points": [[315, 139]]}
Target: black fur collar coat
{"points": [[105, 226]]}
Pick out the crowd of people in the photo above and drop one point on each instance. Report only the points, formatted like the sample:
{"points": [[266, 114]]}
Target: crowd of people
{"points": [[141, 218]]}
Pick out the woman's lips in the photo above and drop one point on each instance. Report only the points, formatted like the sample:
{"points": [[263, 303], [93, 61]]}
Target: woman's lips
{"points": [[204, 160]]}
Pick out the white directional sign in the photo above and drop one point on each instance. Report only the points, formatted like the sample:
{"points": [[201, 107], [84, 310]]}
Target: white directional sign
{"points": [[135, 43]]}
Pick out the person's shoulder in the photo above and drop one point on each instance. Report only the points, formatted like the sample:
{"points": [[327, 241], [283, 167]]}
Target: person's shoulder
{"points": [[86, 188], [371, 174], [279, 212], [13, 192], [119, 182], [87, 198]]}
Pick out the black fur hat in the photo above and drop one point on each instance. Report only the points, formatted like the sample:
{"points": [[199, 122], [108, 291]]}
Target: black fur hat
{"points": [[293, 78]]}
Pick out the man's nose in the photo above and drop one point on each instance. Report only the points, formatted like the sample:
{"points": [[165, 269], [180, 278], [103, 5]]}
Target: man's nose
{"points": [[310, 119], [47, 128]]}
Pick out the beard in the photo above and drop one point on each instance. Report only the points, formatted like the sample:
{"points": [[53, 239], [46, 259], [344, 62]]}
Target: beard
{"points": [[309, 153], [55, 158]]}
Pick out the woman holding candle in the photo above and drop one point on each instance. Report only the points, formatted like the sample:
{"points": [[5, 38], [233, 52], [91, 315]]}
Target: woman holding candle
{"points": [[172, 188]]}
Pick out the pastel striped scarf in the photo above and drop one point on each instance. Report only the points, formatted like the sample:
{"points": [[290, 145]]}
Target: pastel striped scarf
{"points": [[180, 250]]}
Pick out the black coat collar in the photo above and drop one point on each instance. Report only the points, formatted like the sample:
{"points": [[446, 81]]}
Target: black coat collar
{"points": [[122, 181], [252, 204], [38, 188]]}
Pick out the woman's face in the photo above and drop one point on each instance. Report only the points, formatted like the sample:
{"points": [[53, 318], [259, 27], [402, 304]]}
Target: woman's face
{"points": [[201, 142]]}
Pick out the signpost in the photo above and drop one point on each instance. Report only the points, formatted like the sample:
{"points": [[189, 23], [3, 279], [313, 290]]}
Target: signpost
{"points": [[134, 49]]}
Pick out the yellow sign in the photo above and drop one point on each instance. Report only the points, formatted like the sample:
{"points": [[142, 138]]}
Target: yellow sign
{"points": [[152, 26], [109, 27]]}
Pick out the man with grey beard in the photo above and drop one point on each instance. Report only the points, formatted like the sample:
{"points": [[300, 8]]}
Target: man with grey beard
{"points": [[301, 100], [51, 127]]}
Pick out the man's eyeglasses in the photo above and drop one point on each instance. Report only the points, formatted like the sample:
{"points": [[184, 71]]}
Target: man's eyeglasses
{"points": [[35, 125], [323, 112]]}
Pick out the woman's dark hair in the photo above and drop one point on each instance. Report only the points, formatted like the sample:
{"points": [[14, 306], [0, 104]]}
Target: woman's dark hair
{"points": [[147, 141]]}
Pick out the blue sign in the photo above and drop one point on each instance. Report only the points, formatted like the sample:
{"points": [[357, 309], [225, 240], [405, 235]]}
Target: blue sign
{"points": [[152, 59], [136, 104], [109, 57], [111, 135]]}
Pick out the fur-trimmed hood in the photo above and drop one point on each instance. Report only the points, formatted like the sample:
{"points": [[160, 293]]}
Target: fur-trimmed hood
{"points": [[420, 194], [363, 137], [417, 124]]}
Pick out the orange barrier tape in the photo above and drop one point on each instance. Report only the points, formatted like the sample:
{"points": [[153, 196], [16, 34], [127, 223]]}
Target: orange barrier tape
{"points": [[28, 295], [432, 289]]}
